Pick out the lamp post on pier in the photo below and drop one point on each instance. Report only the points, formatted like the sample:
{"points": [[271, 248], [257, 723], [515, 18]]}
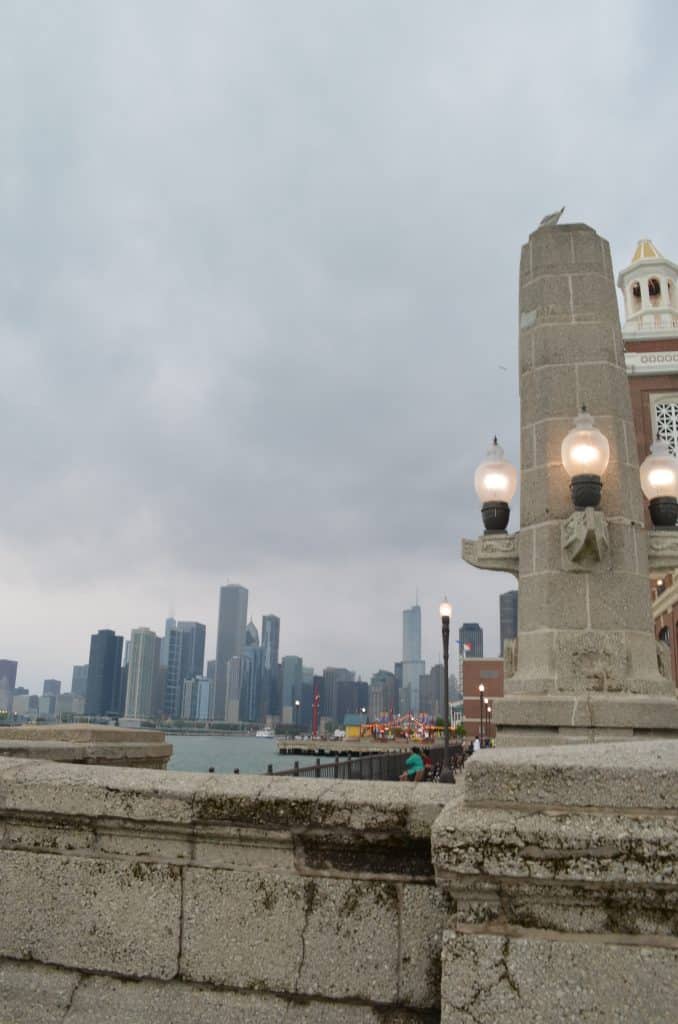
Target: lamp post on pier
{"points": [[446, 774], [481, 691]]}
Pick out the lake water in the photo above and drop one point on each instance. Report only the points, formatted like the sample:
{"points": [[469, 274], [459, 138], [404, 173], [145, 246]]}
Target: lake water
{"points": [[225, 753]]}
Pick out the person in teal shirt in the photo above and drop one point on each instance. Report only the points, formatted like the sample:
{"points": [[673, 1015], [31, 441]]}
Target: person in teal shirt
{"points": [[414, 764]]}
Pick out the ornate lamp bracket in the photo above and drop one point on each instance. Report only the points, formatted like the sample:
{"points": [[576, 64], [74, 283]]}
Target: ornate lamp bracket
{"points": [[585, 539], [662, 549], [498, 552]]}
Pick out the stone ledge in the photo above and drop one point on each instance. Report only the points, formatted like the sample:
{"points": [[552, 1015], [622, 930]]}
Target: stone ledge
{"points": [[249, 801], [614, 775], [87, 744]]}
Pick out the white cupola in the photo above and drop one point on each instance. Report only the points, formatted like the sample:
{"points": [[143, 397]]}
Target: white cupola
{"points": [[650, 289]]}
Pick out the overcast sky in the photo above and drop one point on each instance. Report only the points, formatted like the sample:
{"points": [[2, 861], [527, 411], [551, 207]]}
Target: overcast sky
{"points": [[258, 276]]}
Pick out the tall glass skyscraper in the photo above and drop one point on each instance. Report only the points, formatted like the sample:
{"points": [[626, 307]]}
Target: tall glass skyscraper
{"points": [[230, 639], [103, 674], [142, 674], [270, 642], [292, 678], [185, 652], [413, 668]]}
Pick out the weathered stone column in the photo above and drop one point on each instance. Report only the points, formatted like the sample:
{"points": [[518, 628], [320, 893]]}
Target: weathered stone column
{"points": [[586, 664]]}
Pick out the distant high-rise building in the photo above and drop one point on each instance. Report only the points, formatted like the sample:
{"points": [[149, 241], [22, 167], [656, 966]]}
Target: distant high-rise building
{"points": [[103, 674], [170, 624], [47, 706], [51, 687], [212, 669], [413, 668], [412, 633], [197, 698], [142, 672], [230, 640], [508, 618], [251, 668], [433, 698], [8, 670], [471, 633], [382, 700], [270, 643], [233, 683], [79, 681], [335, 695], [185, 660], [292, 679]]}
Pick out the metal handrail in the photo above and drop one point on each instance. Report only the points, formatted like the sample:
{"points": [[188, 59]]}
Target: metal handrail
{"points": [[387, 766]]}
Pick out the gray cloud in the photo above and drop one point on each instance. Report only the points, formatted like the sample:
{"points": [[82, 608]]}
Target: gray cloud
{"points": [[258, 273]]}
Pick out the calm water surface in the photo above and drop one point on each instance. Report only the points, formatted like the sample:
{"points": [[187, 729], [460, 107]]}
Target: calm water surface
{"points": [[225, 753]]}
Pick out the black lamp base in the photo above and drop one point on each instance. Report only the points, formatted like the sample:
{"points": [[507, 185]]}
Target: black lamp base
{"points": [[495, 516], [586, 490], [664, 511]]}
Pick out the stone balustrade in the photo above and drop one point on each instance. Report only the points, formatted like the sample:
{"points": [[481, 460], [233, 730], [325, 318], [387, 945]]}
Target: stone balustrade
{"points": [[135, 895], [543, 886]]}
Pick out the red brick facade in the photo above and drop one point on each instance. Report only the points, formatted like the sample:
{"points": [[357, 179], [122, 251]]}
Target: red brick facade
{"points": [[490, 672]]}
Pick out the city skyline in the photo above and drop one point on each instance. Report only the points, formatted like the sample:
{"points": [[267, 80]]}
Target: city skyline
{"points": [[269, 367], [208, 646]]}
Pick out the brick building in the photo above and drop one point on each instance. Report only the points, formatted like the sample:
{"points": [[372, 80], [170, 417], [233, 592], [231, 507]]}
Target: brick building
{"points": [[489, 672], [649, 286]]}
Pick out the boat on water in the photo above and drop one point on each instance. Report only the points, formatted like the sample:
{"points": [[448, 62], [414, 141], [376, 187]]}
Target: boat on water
{"points": [[264, 734]]}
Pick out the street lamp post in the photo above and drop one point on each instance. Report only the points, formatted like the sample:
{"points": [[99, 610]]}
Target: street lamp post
{"points": [[481, 691], [446, 774], [489, 719], [297, 705]]}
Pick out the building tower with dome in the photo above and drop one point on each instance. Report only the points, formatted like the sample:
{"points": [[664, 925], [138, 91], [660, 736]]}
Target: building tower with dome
{"points": [[649, 287]]}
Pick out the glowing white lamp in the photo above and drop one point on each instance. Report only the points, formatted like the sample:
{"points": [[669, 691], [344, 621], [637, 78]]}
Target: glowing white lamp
{"points": [[659, 481], [585, 452], [495, 482]]}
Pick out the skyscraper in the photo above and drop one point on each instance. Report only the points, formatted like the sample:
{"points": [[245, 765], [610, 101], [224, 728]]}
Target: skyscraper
{"points": [[471, 633], [233, 681], [336, 693], [230, 639], [185, 651], [142, 671], [413, 666], [7, 683], [250, 675], [382, 700], [79, 680], [51, 687], [508, 618], [196, 701], [412, 633], [270, 642], [292, 678], [103, 674]]}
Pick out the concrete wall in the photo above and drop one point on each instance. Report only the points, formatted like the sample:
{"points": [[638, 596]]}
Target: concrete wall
{"points": [[548, 876], [134, 895]]}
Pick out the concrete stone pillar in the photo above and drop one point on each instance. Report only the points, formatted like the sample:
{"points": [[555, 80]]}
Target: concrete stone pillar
{"points": [[586, 665]]}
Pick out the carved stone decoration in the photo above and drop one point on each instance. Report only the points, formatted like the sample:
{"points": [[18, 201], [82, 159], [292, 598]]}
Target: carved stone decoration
{"points": [[510, 654], [662, 550], [664, 659], [585, 538], [498, 552]]}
